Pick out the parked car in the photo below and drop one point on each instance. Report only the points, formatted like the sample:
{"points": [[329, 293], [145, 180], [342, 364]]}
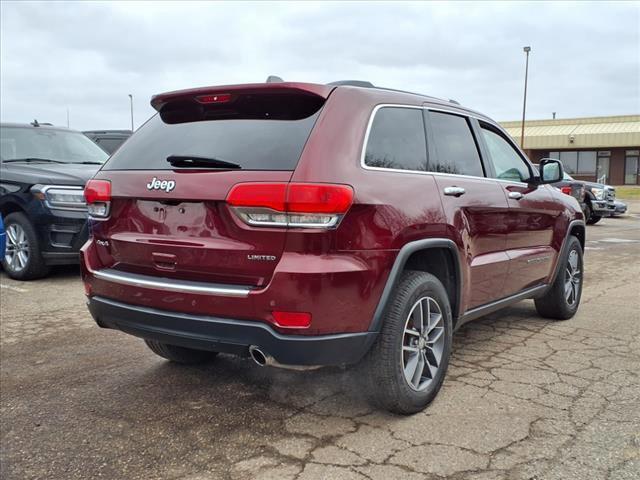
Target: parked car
{"points": [[43, 170], [3, 238], [108, 140], [304, 225], [570, 186], [600, 201], [621, 208]]}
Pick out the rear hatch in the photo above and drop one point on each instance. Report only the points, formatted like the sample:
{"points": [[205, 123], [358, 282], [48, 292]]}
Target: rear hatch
{"points": [[169, 182]]}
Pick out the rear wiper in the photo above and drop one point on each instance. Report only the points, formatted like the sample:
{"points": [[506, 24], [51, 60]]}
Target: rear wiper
{"points": [[207, 162], [32, 159]]}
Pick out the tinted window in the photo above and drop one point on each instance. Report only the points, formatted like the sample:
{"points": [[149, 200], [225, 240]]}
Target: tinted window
{"points": [[507, 163], [110, 145], [253, 144], [38, 142], [397, 139], [455, 147]]}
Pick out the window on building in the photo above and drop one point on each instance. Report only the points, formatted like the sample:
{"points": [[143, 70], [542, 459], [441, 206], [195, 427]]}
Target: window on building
{"points": [[586, 163], [397, 140], [602, 167], [631, 167], [455, 147], [583, 162], [569, 161]]}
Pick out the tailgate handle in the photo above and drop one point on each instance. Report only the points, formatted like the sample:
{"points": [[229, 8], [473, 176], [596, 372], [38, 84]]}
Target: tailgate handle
{"points": [[164, 261]]}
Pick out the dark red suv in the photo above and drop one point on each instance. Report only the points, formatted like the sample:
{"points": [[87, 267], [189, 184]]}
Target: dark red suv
{"points": [[307, 225]]}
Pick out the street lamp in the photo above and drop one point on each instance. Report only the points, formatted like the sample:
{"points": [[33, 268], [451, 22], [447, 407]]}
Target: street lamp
{"points": [[524, 103], [131, 104]]}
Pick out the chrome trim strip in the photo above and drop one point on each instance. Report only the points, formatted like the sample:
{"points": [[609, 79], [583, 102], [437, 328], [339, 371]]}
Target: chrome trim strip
{"points": [[434, 109], [171, 285]]}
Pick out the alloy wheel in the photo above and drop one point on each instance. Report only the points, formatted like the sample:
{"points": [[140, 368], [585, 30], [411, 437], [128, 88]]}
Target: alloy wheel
{"points": [[572, 278], [423, 343], [17, 251]]}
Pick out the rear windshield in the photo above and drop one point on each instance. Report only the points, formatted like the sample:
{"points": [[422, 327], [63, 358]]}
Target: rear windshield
{"points": [[265, 143]]}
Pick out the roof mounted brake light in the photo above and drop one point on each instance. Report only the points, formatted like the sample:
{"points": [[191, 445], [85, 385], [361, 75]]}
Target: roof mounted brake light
{"points": [[214, 98]]}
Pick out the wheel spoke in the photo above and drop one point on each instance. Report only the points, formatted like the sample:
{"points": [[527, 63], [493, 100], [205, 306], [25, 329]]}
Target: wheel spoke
{"points": [[11, 234], [437, 319], [567, 290], [436, 336], [428, 326], [406, 348], [430, 355], [417, 375], [427, 364], [21, 260], [420, 327], [411, 367], [408, 331]]}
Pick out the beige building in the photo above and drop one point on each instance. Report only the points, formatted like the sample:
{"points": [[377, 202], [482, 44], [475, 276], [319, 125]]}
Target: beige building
{"points": [[604, 149]]}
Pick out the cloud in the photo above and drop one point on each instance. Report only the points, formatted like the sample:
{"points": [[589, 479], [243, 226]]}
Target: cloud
{"points": [[88, 56]]}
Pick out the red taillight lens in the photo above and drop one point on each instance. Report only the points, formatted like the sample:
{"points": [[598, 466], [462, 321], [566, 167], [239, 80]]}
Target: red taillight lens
{"points": [[566, 190], [268, 195], [303, 205], [292, 319], [97, 191], [214, 98], [319, 198]]}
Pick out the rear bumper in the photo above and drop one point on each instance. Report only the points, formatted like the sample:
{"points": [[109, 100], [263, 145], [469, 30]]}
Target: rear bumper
{"points": [[229, 336]]}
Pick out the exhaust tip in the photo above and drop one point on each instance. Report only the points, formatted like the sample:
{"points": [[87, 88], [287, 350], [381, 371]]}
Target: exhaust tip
{"points": [[257, 355]]}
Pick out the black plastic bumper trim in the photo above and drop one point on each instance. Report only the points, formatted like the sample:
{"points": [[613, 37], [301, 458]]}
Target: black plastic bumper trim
{"points": [[229, 336]]}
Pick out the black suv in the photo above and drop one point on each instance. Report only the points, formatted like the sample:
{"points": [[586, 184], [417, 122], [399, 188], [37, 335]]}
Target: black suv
{"points": [[108, 140], [43, 170]]}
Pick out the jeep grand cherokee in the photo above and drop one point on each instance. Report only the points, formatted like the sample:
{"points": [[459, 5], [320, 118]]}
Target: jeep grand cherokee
{"points": [[304, 225]]}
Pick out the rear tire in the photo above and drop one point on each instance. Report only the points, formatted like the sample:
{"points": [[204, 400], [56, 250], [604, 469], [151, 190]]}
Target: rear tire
{"points": [[562, 299], [23, 257], [174, 353], [406, 366]]}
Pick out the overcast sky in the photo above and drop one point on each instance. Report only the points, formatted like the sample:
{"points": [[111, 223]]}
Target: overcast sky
{"points": [[88, 57]]}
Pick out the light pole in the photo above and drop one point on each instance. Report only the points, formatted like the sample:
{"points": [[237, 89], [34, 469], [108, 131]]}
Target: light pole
{"points": [[131, 105], [524, 103]]}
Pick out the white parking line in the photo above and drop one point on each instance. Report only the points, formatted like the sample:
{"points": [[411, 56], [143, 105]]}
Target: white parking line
{"points": [[14, 289]]}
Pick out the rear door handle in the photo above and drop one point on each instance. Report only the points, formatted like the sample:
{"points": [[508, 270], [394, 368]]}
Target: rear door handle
{"points": [[515, 195], [454, 191]]}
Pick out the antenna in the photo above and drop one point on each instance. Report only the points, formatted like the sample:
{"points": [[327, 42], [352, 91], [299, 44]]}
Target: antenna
{"points": [[274, 79], [35, 123]]}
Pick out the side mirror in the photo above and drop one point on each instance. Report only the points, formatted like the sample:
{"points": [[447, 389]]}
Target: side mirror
{"points": [[550, 171]]}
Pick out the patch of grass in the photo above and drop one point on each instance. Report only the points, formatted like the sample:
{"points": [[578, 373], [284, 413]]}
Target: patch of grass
{"points": [[628, 192]]}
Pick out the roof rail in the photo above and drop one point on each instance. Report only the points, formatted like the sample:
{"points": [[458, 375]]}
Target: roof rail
{"points": [[353, 83]]}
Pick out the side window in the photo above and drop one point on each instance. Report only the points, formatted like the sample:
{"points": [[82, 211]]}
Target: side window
{"points": [[397, 140], [455, 147], [507, 163]]}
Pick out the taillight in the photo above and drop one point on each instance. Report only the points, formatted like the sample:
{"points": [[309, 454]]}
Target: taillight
{"points": [[566, 190], [299, 205], [97, 193]]}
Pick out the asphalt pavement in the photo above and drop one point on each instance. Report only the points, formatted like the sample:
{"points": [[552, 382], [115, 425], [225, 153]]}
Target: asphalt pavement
{"points": [[525, 397]]}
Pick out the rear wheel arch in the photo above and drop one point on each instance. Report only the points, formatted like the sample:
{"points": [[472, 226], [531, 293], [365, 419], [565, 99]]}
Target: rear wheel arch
{"points": [[579, 232], [436, 256]]}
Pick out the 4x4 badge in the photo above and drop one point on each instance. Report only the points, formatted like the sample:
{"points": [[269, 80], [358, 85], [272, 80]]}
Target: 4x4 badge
{"points": [[166, 185]]}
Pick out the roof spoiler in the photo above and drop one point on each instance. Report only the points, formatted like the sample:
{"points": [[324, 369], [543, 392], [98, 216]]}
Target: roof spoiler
{"points": [[225, 92]]}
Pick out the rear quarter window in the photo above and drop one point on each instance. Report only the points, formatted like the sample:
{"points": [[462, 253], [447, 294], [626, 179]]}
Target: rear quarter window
{"points": [[397, 140]]}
